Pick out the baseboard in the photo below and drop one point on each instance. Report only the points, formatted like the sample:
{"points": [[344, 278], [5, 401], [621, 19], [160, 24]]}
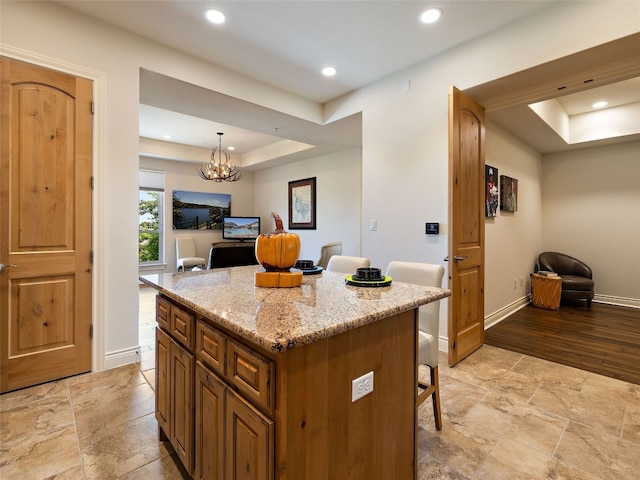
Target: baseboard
{"points": [[443, 344], [491, 320], [621, 301], [504, 312], [122, 357]]}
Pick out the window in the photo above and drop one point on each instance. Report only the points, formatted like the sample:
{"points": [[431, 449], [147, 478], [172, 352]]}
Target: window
{"points": [[151, 218]]}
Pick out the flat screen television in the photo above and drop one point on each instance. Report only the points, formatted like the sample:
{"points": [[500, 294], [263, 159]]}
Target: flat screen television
{"points": [[241, 228]]}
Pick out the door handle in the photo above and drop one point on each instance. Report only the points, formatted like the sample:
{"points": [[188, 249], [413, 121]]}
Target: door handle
{"points": [[457, 258], [3, 266]]}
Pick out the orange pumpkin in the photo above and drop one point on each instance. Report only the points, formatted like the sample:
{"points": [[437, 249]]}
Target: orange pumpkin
{"points": [[277, 251]]}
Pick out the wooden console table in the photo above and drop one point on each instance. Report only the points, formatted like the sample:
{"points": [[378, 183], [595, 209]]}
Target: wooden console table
{"points": [[545, 291], [232, 254]]}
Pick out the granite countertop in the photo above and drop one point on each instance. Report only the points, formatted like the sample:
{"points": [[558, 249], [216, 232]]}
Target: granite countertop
{"points": [[281, 318]]}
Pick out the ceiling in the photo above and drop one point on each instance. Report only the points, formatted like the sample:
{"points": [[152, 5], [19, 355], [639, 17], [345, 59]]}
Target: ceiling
{"points": [[285, 44]]}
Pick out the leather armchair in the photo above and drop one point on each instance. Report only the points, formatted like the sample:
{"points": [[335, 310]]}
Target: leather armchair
{"points": [[577, 278]]}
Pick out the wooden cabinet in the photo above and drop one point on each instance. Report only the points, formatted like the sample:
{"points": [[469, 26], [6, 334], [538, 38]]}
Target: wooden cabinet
{"points": [[233, 439], [236, 411], [175, 365], [232, 254], [216, 412], [234, 386]]}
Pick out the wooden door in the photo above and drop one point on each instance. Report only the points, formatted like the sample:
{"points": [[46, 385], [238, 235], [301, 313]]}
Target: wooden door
{"points": [[466, 221], [45, 224]]}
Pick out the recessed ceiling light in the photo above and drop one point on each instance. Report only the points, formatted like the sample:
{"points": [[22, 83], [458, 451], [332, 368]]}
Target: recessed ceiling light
{"points": [[329, 71], [600, 104], [431, 15], [215, 16], [167, 137], [231, 148]]}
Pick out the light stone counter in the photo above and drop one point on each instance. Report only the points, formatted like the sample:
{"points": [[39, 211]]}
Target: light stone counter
{"points": [[281, 318]]}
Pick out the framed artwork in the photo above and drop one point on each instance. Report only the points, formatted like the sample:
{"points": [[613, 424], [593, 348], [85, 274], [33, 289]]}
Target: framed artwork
{"points": [[200, 211], [508, 194], [491, 191], [302, 204]]}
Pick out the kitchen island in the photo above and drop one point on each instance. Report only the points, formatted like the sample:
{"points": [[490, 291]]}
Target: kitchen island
{"points": [[259, 382]]}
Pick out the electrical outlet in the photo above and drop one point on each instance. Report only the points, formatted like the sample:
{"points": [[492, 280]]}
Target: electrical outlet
{"points": [[361, 386], [373, 225]]}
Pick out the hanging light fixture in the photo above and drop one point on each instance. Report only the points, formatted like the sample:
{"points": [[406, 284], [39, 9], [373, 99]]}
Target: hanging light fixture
{"points": [[220, 170]]}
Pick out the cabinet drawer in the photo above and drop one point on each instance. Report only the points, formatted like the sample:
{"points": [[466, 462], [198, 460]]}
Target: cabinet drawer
{"points": [[182, 326], [210, 347], [163, 312], [252, 374]]}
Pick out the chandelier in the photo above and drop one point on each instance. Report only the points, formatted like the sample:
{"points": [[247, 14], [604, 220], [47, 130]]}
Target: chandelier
{"points": [[221, 169]]}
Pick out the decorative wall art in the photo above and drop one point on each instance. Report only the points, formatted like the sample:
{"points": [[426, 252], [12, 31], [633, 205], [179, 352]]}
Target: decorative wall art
{"points": [[302, 204], [200, 211], [491, 191], [508, 194]]}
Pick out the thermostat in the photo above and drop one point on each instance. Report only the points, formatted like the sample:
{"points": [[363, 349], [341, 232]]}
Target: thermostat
{"points": [[432, 229]]}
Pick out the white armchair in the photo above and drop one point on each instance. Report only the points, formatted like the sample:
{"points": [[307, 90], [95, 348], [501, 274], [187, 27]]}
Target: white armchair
{"points": [[428, 325], [186, 254], [346, 264]]}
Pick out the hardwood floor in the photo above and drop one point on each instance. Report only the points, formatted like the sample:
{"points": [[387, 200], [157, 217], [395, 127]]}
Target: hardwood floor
{"points": [[603, 339]]}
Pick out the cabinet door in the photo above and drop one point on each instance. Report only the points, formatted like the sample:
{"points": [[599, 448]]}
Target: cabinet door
{"points": [[209, 448], [181, 406], [249, 441], [163, 347]]}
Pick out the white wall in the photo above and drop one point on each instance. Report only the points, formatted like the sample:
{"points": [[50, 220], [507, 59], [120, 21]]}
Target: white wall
{"points": [[591, 211], [405, 137], [512, 239], [404, 153], [183, 176], [338, 198]]}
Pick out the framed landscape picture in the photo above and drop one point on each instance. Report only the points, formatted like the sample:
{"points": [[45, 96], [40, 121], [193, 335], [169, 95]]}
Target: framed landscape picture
{"points": [[200, 211], [302, 204]]}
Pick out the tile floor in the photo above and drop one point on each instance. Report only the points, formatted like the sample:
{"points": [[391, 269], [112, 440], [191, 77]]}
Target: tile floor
{"points": [[506, 416]]}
